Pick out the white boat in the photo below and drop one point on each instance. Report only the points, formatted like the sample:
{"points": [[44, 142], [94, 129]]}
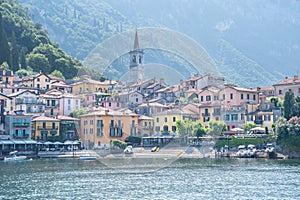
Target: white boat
{"points": [[251, 151], [242, 151], [270, 150], [128, 150], [13, 157]]}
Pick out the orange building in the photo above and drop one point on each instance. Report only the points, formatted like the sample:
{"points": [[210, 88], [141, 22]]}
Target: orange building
{"points": [[99, 128]]}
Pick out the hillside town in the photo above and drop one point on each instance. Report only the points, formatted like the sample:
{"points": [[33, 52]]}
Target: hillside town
{"points": [[40, 108]]}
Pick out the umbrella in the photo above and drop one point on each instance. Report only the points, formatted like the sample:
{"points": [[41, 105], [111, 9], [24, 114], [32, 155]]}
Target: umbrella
{"points": [[48, 143], [237, 129], [257, 129], [58, 143]]}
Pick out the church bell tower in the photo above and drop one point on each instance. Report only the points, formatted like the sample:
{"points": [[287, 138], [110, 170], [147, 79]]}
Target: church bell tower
{"points": [[136, 61]]}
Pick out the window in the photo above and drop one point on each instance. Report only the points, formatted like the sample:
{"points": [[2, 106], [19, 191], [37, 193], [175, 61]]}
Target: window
{"points": [[208, 98], [216, 98], [254, 97], [201, 98], [166, 119], [91, 130], [174, 128], [112, 129], [248, 96], [242, 96], [53, 102], [109, 104], [280, 91], [231, 95], [91, 122], [145, 124], [38, 86], [53, 125], [157, 119], [174, 119], [298, 90], [85, 122], [157, 128], [99, 128], [234, 117], [38, 79], [136, 100]]}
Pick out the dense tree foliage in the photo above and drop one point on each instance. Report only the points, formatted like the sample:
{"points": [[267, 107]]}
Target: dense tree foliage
{"points": [[24, 43], [194, 128], [288, 133], [288, 105], [216, 127]]}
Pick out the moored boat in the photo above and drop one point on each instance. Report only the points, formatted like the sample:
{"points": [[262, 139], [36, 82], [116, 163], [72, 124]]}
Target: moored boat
{"points": [[14, 157]]}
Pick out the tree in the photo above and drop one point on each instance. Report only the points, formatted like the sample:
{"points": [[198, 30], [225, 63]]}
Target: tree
{"points": [[38, 62], [216, 127], [4, 46], [77, 113], [288, 105], [14, 53], [248, 126], [58, 74], [190, 127]]}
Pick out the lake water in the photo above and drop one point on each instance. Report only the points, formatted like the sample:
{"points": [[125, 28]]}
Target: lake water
{"points": [[182, 179]]}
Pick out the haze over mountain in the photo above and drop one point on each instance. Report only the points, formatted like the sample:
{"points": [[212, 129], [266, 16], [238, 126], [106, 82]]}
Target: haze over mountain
{"points": [[253, 43]]}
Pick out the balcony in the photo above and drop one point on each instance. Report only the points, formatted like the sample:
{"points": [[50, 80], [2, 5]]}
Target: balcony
{"points": [[258, 121], [205, 114], [47, 128], [15, 124]]}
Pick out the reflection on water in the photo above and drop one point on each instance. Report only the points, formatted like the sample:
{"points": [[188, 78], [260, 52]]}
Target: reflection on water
{"points": [[183, 179]]}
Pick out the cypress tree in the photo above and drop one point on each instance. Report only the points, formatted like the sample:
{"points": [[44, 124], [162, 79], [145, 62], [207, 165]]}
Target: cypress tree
{"points": [[4, 47], [14, 53]]}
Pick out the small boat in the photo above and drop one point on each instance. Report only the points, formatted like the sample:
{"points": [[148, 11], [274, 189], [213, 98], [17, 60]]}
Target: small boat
{"points": [[13, 157], [128, 150], [251, 151], [270, 150], [242, 151]]}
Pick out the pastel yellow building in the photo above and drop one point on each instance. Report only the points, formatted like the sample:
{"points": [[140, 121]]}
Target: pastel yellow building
{"points": [[40, 81], [99, 128], [165, 122], [45, 128]]}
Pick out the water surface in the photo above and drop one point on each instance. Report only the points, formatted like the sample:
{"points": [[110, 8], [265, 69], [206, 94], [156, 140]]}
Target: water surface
{"points": [[183, 179]]}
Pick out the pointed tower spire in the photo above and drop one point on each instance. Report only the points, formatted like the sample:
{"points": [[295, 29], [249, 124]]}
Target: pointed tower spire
{"points": [[136, 41]]}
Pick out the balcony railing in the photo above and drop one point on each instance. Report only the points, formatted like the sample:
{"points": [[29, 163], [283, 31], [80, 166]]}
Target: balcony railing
{"points": [[15, 124], [47, 128], [205, 114], [259, 121]]}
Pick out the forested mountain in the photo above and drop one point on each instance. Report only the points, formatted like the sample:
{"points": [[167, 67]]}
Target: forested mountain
{"points": [[253, 42], [25, 45]]}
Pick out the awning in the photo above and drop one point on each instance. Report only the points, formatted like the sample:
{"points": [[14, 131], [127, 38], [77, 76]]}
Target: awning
{"points": [[18, 141], [30, 141], [7, 142]]}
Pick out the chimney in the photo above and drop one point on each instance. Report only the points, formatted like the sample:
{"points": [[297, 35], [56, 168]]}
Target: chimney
{"points": [[296, 77], [162, 81]]}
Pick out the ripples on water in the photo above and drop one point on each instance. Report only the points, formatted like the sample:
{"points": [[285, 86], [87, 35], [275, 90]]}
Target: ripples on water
{"points": [[183, 179]]}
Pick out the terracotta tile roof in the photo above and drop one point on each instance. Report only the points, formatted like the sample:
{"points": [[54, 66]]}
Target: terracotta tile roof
{"points": [[145, 117], [66, 118], [287, 81], [44, 118]]}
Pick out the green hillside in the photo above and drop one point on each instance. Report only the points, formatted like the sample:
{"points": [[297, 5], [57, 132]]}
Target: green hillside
{"points": [[78, 26], [25, 44], [248, 50]]}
